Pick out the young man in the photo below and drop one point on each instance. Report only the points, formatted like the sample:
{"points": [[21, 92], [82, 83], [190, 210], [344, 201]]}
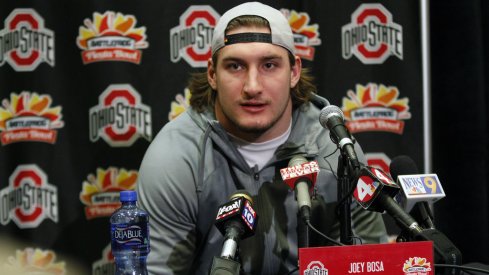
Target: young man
{"points": [[251, 112]]}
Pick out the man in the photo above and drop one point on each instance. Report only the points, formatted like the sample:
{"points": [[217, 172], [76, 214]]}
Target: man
{"points": [[251, 112]]}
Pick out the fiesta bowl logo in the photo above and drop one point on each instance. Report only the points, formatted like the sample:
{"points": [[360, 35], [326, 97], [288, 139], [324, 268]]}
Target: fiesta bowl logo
{"points": [[29, 199], [179, 105], [416, 266], [373, 108], [306, 36], [25, 42], [105, 265], [316, 268], [120, 118], [371, 36], [191, 40], [100, 193], [34, 261], [111, 37], [29, 117]]}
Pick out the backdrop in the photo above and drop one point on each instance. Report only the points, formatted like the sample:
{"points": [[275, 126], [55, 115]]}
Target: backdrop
{"points": [[86, 85]]}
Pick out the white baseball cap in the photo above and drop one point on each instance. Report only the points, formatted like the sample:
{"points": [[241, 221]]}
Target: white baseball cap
{"points": [[281, 33]]}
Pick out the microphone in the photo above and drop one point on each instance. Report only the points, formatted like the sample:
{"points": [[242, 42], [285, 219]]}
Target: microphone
{"points": [[331, 117], [418, 190], [300, 176], [236, 220], [375, 191]]}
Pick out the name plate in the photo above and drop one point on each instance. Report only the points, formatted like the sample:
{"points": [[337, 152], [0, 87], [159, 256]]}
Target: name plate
{"points": [[410, 258]]}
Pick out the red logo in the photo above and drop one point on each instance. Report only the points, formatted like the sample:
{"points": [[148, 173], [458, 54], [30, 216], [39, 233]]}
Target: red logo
{"points": [[375, 108], [25, 42], [120, 118], [111, 37], [372, 36], [29, 117], [191, 40], [378, 160], [100, 192], [306, 35], [29, 199]]}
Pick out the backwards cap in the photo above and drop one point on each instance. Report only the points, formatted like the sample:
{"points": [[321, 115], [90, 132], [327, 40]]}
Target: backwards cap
{"points": [[281, 34]]}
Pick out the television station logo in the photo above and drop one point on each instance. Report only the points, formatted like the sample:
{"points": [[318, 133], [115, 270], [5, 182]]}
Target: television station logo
{"points": [[120, 118], [29, 117], [375, 108], [111, 37], [25, 42], [306, 35], [372, 35], [29, 198], [191, 39], [100, 192]]}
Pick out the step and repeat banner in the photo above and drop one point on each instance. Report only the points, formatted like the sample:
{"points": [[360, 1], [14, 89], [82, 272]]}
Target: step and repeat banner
{"points": [[86, 85]]}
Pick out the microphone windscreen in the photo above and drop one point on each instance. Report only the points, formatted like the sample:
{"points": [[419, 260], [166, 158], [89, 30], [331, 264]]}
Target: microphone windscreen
{"points": [[402, 165]]}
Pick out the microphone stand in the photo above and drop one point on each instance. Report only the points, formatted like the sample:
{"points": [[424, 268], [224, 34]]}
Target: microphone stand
{"points": [[224, 266], [344, 199]]}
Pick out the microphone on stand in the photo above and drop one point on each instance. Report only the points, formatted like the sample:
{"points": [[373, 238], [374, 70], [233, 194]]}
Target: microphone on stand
{"points": [[331, 117], [418, 190], [236, 220], [375, 191], [300, 176]]}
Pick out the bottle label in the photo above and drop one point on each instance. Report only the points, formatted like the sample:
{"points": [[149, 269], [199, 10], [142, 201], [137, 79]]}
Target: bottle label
{"points": [[130, 236]]}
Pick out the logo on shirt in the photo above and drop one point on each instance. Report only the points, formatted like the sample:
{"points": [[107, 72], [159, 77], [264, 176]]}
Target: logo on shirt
{"points": [[28, 199], [29, 117], [120, 118], [100, 192], [306, 35], [375, 108], [191, 40], [25, 42], [111, 37], [372, 36]]}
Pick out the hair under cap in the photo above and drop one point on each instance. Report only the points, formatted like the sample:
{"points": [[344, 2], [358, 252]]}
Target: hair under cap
{"points": [[281, 33]]}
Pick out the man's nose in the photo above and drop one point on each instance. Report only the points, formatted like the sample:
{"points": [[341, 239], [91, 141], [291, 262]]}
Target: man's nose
{"points": [[252, 85]]}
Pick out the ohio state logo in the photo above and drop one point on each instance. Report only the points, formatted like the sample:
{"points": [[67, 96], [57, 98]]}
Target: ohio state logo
{"points": [[316, 268], [29, 199], [191, 40], [372, 36], [378, 160], [25, 42], [120, 118]]}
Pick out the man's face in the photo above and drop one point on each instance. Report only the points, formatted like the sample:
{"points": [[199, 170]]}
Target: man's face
{"points": [[253, 82]]}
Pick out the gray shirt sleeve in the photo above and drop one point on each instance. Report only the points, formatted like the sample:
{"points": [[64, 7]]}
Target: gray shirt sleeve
{"points": [[166, 190]]}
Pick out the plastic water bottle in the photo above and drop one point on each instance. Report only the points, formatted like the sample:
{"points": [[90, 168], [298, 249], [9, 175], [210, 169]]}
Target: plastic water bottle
{"points": [[130, 236]]}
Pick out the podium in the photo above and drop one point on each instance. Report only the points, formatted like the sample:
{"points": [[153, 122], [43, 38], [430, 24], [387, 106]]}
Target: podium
{"points": [[410, 258]]}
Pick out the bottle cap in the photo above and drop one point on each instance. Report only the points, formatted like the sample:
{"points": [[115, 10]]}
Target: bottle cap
{"points": [[128, 196]]}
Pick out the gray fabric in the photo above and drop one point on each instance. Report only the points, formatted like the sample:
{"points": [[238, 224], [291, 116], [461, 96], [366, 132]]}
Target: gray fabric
{"points": [[183, 202]]}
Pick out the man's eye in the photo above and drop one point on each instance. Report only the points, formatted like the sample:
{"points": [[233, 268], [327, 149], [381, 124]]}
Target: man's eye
{"points": [[269, 65], [234, 66]]}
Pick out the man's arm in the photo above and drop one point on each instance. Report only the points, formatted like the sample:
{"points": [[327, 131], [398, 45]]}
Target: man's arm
{"points": [[166, 190]]}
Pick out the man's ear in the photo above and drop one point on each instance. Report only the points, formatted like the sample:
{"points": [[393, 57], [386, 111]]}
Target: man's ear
{"points": [[211, 74], [295, 73]]}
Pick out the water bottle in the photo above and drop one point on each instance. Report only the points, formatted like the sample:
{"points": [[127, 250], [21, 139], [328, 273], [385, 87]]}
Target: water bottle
{"points": [[129, 236]]}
